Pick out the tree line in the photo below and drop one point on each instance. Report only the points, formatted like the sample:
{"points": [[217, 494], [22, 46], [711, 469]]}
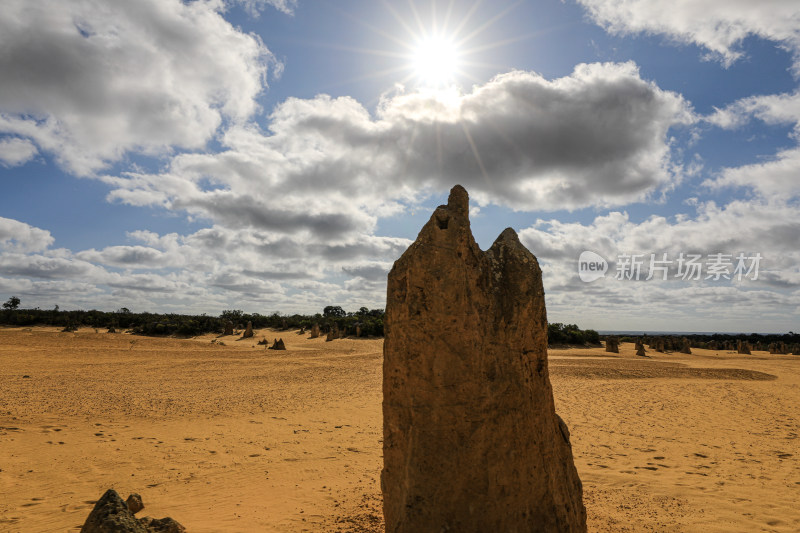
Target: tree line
{"points": [[369, 321]]}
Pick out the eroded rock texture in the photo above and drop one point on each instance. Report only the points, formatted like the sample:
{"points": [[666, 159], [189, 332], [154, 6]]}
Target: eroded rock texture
{"points": [[112, 515], [686, 346], [612, 344], [472, 442], [640, 349]]}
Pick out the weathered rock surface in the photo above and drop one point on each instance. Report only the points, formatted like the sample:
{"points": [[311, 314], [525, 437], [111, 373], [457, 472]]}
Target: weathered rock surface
{"points": [[686, 346], [332, 334], [228, 328], [112, 515], [248, 331], [612, 344], [314, 331], [742, 347], [472, 442], [134, 503], [278, 345], [162, 525], [640, 349]]}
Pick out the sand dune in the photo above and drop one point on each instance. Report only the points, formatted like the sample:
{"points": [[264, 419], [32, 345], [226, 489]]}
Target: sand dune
{"points": [[238, 438]]}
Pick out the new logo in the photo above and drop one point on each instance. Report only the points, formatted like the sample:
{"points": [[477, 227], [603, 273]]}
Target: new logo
{"points": [[591, 266]]}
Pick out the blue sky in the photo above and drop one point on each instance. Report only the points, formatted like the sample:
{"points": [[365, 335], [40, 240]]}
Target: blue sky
{"points": [[278, 155]]}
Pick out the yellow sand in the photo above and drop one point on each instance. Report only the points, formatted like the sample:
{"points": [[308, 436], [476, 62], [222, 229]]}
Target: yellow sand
{"points": [[238, 438]]}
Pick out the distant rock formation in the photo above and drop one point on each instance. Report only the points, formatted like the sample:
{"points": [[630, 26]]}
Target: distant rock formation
{"points": [[248, 331], [612, 344], [640, 349], [228, 328], [778, 348], [332, 334], [358, 331], [278, 345], [314, 331], [686, 346], [112, 515], [728, 346], [263, 342], [742, 347], [472, 442]]}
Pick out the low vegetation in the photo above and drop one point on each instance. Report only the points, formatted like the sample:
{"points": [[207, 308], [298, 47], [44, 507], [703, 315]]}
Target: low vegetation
{"points": [[370, 321]]}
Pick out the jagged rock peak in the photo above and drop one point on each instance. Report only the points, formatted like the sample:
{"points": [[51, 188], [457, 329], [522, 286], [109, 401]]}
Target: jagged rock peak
{"points": [[472, 442]]}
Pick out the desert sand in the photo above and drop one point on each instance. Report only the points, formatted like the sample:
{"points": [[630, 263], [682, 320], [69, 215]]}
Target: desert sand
{"points": [[234, 437]]}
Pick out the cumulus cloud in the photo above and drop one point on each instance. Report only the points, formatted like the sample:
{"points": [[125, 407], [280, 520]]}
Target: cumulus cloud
{"points": [[17, 236], [776, 175], [254, 7], [126, 256], [89, 80], [597, 137], [300, 201], [720, 26], [15, 151], [768, 227]]}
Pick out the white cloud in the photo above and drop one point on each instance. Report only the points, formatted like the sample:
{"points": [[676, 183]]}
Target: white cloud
{"points": [[16, 236], [770, 228], [254, 7], [777, 177], [327, 168], [15, 151], [90, 80], [717, 25], [127, 257], [300, 202], [774, 176]]}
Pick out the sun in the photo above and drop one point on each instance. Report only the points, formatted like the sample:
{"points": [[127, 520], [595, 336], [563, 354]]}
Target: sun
{"points": [[435, 61]]}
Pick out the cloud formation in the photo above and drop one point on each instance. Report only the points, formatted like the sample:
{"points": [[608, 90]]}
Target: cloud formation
{"points": [[299, 202], [16, 236], [720, 26], [88, 80], [15, 151], [776, 175], [600, 136], [770, 228]]}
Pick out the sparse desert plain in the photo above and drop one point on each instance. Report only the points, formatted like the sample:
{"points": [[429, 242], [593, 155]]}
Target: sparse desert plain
{"points": [[234, 437]]}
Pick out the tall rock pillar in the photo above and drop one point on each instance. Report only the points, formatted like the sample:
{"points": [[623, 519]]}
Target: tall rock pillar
{"points": [[472, 442]]}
